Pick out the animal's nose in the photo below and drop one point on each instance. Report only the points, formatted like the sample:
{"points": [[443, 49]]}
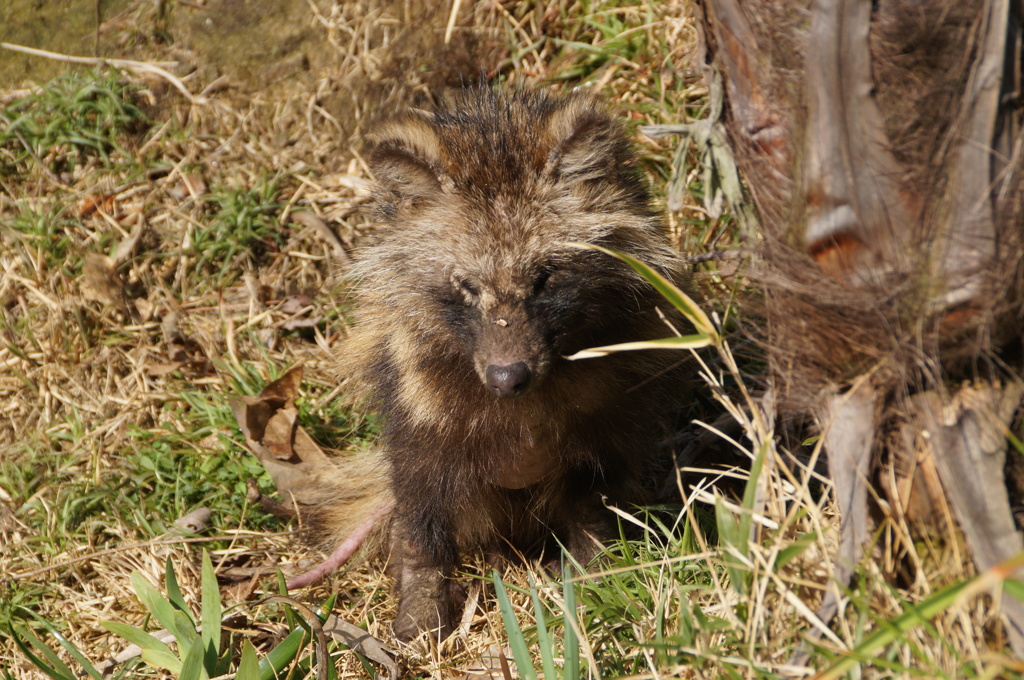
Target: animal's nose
{"points": [[510, 380]]}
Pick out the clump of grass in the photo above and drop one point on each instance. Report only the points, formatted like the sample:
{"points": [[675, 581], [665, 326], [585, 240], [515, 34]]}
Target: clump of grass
{"points": [[242, 227], [71, 119], [49, 232], [200, 650]]}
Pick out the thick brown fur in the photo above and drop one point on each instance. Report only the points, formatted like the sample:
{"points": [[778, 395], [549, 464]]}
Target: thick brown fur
{"points": [[470, 299]]}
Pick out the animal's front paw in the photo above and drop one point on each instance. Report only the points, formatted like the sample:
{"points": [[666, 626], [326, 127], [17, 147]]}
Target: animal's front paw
{"points": [[418, 615], [427, 602]]}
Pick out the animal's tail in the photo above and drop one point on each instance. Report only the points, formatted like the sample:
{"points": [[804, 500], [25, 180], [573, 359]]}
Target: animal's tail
{"points": [[353, 512]]}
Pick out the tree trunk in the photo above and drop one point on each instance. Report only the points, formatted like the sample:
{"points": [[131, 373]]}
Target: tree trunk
{"points": [[882, 145]]}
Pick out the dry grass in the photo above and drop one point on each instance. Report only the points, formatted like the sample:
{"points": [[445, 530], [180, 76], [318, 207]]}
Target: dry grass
{"points": [[147, 278]]}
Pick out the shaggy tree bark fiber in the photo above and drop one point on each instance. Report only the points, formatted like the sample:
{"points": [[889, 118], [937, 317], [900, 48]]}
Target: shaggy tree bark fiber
{"points": [[882, 144]]}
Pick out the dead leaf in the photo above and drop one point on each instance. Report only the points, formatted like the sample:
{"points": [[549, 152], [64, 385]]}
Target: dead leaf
{"points": [[182, 352], [292, 324], [279, 432], [296, 304], [126, 247], [195, 521], [286, 387], [269, 425], [169, 328], [270, 506], [298, 307], [145, 308], [190, 186], [359, 640], [242, 591], [164, 368], [309, 219], [91, 204], [100, 281]]}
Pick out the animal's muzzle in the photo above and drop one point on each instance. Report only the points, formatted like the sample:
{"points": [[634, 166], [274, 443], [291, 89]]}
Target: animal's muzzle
{"points": [[510, 380]]}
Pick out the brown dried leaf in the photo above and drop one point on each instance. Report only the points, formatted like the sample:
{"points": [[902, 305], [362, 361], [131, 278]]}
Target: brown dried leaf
{"points": [[190, 186], [270, 506], [91, 204], [100, 280], [182, 352], [295, 304], [126, 247], [189, 355], [145, 308], [242, 591], [309, 219], [163, 368], [169, 328], [300, 323], [195, 521], [280, 429], [286, 387], [359, 640], [289, 454]]}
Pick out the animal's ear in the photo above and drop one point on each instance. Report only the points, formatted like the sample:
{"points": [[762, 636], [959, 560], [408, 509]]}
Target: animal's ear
{"points": [[585, 142], [406, 160]]}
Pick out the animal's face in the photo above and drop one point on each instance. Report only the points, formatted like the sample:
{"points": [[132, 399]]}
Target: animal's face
{"points": [[511, 294], [478, 205], [510, 322]]}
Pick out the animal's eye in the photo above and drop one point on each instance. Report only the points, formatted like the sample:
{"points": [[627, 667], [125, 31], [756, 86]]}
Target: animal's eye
{"points": [[468, 290], [541, 282]]}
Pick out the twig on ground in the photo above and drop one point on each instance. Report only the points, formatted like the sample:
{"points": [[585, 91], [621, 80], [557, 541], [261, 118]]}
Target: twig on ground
{"points": [[154, 68]]}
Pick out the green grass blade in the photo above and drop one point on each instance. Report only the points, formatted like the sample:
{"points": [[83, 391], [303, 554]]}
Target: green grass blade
{"points": [[1015, 588], [668, 290], [570, 643], [161, 608], [578, 46], [184, 631], [66, 644], [77, 655], [282, 584], [173, 590], [891, 630], [165, 660], [516, 641], [211, 611], [749, 497], [281, 655], [192, 665], [676, 342], [547, 651], [794, 550], [58, 670], [731, 534], [282, 589], [249, 665], [136, 636]]}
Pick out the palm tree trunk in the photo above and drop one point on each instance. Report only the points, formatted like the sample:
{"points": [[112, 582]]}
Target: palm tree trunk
{"points": [[883, 146]]}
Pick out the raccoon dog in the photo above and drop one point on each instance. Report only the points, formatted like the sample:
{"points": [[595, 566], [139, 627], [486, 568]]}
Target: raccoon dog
{"points": [[470, 298]]}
